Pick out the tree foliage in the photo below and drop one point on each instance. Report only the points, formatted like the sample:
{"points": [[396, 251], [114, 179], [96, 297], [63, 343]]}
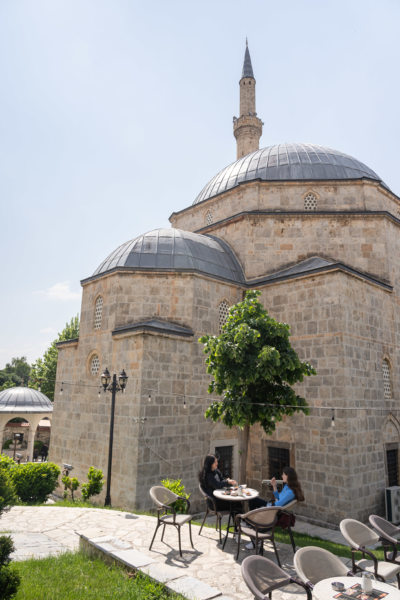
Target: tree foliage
{"points": [[15, 373], [44, 370], [253, 367], [94, 484]]}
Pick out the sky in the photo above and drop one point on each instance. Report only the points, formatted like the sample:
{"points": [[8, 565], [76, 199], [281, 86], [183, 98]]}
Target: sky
{"points": [[114, 114]]}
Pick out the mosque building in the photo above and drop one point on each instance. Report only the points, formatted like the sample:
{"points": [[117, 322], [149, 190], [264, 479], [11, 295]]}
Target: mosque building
{"points": [[317, 232]]}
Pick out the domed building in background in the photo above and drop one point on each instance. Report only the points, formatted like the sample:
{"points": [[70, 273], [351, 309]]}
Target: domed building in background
{"points": [[317, 232]]}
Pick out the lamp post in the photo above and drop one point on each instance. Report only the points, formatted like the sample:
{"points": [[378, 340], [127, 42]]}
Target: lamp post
{"points": [[112, 386]]}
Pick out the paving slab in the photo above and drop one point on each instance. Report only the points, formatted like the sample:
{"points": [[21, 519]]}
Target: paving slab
{"points": [[132, 558], [192, 588], [161, 572]]}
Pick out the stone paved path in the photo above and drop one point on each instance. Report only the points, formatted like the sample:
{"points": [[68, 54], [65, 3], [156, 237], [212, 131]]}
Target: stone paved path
{"points": [[41, 531]]}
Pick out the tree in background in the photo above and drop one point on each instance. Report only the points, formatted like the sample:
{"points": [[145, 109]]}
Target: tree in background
{"points": [[43, 372], [15, 373], [253, 367]]}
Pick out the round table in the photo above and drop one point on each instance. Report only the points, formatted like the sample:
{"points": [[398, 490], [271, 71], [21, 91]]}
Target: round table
{"points": [[323, 590], [232, 500]]}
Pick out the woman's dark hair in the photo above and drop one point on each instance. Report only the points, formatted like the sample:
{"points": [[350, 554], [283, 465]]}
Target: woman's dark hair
{"points": [[294, 483], [208, 462]]}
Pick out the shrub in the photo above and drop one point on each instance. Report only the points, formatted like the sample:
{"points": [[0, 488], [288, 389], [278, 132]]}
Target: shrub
{"points": [[7, 492], [7, 444], [176, 486], [94, 484], [9, 578], [6, 462], [34, 482], [71, 484]]}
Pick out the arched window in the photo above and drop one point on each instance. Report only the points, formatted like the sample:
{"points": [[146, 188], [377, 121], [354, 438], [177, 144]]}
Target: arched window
{"points": [[223, 312], [209, 217], [310, 201], [98, 312], [387, 385], [94, 365]]}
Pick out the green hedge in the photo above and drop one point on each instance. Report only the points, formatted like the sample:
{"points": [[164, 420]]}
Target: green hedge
{"points": [[34, 482]]}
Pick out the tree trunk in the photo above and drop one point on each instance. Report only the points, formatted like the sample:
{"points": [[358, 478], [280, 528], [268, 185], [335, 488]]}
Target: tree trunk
{"points": [[243, 450]]}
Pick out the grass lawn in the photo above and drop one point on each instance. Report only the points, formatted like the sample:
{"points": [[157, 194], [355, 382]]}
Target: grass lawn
{"points": [[74, 576]]}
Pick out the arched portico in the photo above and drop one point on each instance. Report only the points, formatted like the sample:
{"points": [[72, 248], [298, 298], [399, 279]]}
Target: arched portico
{"points": [[28, 404]]}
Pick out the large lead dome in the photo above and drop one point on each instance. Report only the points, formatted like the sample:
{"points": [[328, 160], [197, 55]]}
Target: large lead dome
{"points": [[288, 162], [174, 250]]}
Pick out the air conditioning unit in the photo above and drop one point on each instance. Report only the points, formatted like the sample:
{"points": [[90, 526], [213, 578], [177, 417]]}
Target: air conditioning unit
{"points": [[392, 503]]}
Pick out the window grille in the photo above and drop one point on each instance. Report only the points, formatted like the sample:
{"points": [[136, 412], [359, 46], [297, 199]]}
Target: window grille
{"points": [[209, 217], [223, 310], [98, 312], [387, 387], [95, 365], [392, 461], [310, 202], [225, 460], [277, 459]]}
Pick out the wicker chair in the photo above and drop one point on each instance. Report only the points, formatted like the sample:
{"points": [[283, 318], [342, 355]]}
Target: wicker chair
{"points": [[211, 509], [389, 535], [166, 515], [259, 525], [359, 536], [262, 577], [313, 564]]}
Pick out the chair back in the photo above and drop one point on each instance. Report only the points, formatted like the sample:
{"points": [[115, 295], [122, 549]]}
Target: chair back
{"points": [[387, 531], [358, 535], [203, 492], [262, 576], [290, 505], [313, 564], [161, 496], [260, 518]]}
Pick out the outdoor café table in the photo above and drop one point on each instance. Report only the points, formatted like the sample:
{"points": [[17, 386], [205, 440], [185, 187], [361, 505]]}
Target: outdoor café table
{"points": [[323, 590], [232, 500]]}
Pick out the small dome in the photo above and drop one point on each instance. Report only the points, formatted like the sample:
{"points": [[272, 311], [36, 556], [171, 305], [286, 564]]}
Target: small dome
{"points": [[175, 250], [288, 162], [24, 400]]}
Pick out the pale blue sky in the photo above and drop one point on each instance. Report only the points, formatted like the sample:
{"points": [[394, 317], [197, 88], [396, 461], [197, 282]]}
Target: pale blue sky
{"points": [[113, 114]]}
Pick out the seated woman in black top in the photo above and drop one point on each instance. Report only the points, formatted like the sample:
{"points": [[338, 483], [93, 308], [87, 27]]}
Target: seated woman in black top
{"points": [[210, 478]]}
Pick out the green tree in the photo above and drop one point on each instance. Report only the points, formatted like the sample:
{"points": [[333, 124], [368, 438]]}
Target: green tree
{"points": [[15, 373], [253, 367], [43, 372]]}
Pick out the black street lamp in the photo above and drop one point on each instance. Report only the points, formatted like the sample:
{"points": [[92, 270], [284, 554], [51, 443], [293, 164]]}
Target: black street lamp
{"points": [[113, 387]]}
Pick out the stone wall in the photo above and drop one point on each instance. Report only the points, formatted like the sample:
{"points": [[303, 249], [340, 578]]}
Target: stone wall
{"points": [[344, 327], [362, 195]]}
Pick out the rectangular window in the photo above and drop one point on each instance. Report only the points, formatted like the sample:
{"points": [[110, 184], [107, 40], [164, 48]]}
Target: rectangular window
{"points": [[225, 460], [277, 459], [392, 461]]}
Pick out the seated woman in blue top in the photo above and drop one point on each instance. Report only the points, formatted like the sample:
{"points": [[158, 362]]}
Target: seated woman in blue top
{"points": [[290, 491]]}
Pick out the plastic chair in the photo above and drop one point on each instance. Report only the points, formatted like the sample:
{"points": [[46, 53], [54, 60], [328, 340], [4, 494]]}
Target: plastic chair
{"points": [[211, 509], [262, 577], [166, 515], [359, 536], [389, 535], [312, 564], [259, 525]]}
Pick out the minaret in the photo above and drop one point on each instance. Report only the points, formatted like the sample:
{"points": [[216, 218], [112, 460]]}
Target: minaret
{"points": [[247, 129]]}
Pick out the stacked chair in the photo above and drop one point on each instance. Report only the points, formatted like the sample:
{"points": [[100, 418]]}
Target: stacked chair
{"points": [[360, 537]]}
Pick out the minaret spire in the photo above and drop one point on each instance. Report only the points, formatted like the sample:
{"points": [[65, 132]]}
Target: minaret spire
{"points": [[247, 129]]}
